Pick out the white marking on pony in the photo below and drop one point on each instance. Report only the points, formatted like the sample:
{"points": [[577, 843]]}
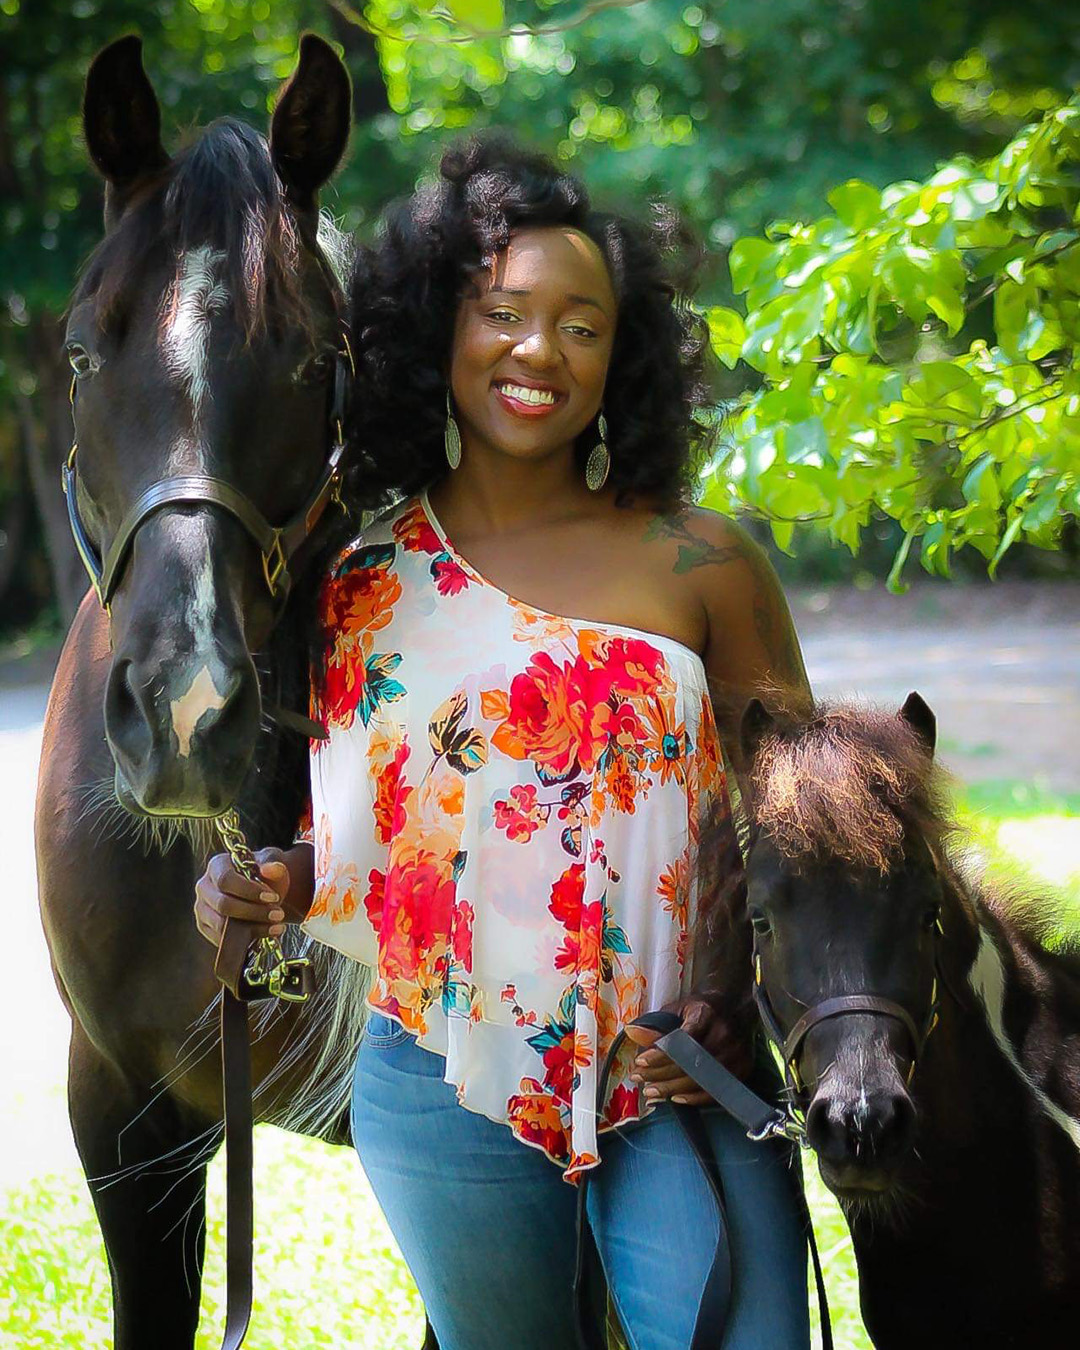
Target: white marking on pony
{"points": [[195, 297], [202, 608], [987, 979], [189, 708]]}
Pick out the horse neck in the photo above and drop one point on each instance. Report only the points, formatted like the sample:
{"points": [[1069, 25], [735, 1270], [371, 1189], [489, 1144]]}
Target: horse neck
{"points": [[1010, 1012]]}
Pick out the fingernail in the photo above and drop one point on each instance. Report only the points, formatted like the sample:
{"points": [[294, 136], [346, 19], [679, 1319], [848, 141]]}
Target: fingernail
{"points": [[277, 930], [276, 915], [636, 1078], [652, 1092], [680, 1099], [270, 897]]}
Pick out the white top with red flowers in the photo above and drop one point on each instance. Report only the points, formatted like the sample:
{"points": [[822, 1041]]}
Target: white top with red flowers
{"points": [[504, 817]]}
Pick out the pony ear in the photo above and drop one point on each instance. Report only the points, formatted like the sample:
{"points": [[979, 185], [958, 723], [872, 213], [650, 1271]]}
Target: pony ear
{"points": [[310, 126], [756, 723], [919, 716], [121, 118]]}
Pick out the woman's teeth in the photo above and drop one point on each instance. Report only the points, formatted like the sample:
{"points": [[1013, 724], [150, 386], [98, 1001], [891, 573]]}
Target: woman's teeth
{"points": [[525, 395]]}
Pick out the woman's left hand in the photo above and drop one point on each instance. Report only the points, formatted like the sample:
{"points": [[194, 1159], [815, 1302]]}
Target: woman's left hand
{"points": [[702, 1019]]}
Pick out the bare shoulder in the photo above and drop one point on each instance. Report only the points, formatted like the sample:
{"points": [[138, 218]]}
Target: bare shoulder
{"points": [[717, 552]]}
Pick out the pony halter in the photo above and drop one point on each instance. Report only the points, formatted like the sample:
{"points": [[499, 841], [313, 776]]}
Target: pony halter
{"points": [[277, 544]]}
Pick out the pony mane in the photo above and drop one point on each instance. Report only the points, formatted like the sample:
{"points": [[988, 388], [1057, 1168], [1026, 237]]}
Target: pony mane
{"points": [[849, 783], [220, 193]]}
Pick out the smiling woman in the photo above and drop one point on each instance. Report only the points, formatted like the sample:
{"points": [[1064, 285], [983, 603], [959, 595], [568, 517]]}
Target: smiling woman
{"points": [[526, 669]]}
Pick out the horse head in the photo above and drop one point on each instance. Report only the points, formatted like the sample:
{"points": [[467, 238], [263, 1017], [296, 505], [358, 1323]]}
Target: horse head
{"points": [[205, 343], [844, 893]]}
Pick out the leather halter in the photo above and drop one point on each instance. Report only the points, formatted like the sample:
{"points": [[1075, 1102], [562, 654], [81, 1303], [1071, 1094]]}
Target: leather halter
{"points": [[791, 1045], [277, 544]]}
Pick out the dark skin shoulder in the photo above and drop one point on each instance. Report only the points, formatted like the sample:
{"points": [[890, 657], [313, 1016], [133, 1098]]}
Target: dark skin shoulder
{"points": [[750, 644]]}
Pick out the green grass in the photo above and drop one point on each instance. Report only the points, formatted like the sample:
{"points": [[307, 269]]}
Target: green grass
{"points": [[327, 1273]]}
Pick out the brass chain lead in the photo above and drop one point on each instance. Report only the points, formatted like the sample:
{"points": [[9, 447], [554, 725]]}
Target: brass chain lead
{"points": [[267, 965]]}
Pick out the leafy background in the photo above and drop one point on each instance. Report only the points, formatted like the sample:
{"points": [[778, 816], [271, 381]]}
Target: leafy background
{"points": [[901, 359]]}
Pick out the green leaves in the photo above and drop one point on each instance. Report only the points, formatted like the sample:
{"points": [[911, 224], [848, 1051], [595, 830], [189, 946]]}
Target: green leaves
{"points": [[484, 15], [881, 393]]}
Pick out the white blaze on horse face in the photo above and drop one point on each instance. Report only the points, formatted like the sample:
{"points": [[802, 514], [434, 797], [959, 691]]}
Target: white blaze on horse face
{"points": [[987, 979], [191, 302], [202, 694], [187, 710]]}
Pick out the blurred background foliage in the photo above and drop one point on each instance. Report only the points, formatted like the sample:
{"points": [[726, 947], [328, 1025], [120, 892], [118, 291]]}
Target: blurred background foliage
{"points": [[882, 363]]}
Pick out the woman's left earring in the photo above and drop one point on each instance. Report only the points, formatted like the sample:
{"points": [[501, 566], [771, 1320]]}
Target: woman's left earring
{"points": [[599, 461], [452, 437]]}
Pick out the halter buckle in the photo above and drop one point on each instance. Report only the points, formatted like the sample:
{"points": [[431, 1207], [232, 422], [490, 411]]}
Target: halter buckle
{"points": [[274, 565]]}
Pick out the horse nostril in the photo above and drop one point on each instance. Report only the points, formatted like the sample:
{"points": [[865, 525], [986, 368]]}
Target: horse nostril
{"points": [[889, 1127], [128, 721], [875, 1130], [827, 1131]]}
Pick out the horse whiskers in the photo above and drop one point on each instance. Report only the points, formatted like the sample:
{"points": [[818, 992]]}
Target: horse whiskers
{"points": [[111, 820]]}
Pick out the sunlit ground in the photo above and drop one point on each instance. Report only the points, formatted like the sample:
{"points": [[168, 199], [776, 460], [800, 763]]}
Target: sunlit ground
{"points": [[327, 1272]]}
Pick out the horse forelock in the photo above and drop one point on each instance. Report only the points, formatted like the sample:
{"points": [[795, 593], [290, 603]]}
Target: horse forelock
{"points": [[219, 198], [850, 784]]}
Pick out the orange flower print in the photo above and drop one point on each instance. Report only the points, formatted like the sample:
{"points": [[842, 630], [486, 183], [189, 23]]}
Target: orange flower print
{"points": [[673, 888], [520, 815], [666, 741], [414, 532], [621, 782], [391, 796], [535, 1116], [337, 883], [709, 761], [558, 717], [631, 665], [580, 951], [359, 596], [463, 934]]}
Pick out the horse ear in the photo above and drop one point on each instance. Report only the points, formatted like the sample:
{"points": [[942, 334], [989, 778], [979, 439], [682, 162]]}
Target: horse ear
{"points": [[919, 716], [121, 118], [756, 723], [310, 126]]}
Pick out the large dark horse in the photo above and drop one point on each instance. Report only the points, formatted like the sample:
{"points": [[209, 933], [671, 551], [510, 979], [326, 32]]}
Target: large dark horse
{"points": [[202, 336], [931, 1038]]}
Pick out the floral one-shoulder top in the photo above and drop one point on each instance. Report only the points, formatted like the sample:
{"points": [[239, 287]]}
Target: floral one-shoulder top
{"points": [[505, 815]]}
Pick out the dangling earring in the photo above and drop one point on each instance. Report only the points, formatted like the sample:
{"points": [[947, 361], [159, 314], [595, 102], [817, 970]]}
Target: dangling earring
{"points": [[452, 437], [599, 461]]}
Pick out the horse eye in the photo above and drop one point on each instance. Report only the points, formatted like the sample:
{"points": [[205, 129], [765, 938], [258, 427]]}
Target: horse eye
{"points": [[760, 923], [931, 916], [79, 359], [316, 370]]}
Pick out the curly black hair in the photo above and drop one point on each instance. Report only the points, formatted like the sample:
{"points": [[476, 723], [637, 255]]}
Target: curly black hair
{"points": [[404, 298]]}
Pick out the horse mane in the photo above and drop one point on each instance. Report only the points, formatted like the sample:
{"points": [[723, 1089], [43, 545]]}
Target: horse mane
{"points": [[852, 784], [221, 193]]}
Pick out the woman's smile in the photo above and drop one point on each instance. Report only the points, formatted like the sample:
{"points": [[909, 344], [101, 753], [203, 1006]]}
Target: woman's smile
{"points": [[527, 398]]}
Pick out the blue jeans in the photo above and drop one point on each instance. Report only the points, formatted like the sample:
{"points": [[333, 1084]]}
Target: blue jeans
{"points": [[487, 1225]]}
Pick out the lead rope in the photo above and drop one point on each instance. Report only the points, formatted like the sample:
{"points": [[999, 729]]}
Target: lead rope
{"points": [[248, 970]]}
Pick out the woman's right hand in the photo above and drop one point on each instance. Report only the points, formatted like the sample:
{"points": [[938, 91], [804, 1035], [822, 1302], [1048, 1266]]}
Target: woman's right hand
{"points": [[222, 893]]}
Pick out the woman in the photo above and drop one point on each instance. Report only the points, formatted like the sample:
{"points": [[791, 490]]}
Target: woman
{"points": [[513, 667]]}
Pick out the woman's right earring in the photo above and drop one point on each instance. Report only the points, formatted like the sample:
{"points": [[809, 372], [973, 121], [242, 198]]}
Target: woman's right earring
{"points": [[599, 461], [452, 437]]}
